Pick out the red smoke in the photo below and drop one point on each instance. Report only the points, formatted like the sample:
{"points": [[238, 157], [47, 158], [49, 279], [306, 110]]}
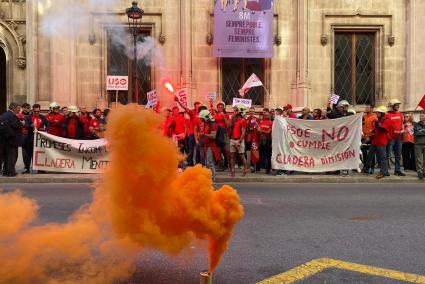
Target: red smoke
{"points": [[140, 202]]}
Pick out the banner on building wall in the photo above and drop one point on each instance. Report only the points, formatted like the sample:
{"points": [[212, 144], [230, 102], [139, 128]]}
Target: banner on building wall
{"points": [[316, 145], [57, 154], [243, 28]]}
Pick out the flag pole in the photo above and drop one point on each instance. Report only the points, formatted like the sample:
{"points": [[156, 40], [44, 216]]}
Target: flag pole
{"points": [[267, 92]]}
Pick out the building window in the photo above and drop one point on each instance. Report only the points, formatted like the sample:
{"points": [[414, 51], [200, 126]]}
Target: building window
{"points": [[234, 73], [120, 63], [354, 70]]}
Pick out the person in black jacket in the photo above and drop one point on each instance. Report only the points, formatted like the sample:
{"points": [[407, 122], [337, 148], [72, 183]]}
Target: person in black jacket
{"points": [[34, 121], [341, 110], [11, 138]]}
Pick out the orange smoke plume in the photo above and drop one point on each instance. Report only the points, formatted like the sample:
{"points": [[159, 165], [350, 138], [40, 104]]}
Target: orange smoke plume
{"points": [[166, 210], [140, 202]]}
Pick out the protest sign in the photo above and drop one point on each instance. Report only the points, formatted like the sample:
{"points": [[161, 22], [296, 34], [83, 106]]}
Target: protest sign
{"points": [[334, 99], [152, 97], [117, 83], [243, 29], [245, 102], [211, 96], [182, 97], [316, 145], [57, 154]]}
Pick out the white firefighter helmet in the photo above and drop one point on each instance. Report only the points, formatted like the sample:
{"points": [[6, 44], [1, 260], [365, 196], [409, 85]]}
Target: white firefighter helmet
{"points": [[343, 103], [205, 115], [53, 105]]}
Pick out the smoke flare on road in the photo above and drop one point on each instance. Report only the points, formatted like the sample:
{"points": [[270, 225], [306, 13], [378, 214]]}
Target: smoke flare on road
{"points": [[140, 202]]}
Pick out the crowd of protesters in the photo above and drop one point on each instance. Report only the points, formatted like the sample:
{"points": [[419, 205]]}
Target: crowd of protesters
{"points": [[209, 136], [17, 126], [220, 140]]}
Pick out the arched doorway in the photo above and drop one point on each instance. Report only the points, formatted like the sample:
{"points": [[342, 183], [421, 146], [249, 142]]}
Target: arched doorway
{"points": [[3, 91]]}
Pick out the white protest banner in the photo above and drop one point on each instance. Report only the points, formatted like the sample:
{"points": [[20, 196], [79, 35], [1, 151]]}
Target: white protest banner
{"points": [[211, 96], [334, 99], [57, 154], [117, 83], [316, 145], [152, 97], [245, 102]]}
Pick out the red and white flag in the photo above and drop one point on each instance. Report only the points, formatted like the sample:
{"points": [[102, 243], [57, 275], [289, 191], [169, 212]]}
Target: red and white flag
{"points": [[253, 81], [422, 103]]}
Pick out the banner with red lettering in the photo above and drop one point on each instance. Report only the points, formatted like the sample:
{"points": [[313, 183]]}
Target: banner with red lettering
{"points": [[316, 145], [57, 154]]}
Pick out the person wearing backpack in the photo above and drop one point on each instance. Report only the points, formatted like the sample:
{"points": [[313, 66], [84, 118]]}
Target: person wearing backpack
{"points": [[11, 137], [209, 135]]}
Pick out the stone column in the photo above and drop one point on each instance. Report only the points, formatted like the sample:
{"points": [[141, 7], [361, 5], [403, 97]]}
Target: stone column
{"points": [[31, 51], [301, 83], [415, 85]]}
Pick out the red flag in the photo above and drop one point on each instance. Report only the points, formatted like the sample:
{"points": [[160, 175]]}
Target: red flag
{"points": [[422, 103]]}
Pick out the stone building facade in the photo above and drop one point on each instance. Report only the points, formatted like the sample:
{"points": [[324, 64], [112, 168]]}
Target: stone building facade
{"points": [[370, 50]]}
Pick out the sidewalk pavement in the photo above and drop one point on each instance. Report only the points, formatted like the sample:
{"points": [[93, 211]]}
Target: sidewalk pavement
{"points": [[224, 177]]}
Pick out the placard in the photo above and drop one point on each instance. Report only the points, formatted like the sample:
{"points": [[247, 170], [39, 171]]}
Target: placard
{"points": [[245, 102], [117, 83]]}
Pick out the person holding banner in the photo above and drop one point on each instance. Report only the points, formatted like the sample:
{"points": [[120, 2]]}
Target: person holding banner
{"points": [[419, 132], [380, 141], [56, 120], [74, 127], [237, 139], [33, 122], [95, 123], [341, 110], [265, 142]]}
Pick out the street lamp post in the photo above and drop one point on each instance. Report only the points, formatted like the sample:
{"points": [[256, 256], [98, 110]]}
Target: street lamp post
{"points": [[134, 14]]}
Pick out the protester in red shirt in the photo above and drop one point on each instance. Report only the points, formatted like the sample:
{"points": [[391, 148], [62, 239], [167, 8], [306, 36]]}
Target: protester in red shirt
{"points": [[74, 125], [252, 124], [85, 120], [380, 141], [395, 134], [34, 121], [168, 124], [265, 144], [194, 143], [288, 109], [56, 120], [94, 124], [237, 139], [209, 135], [26, 145], [223, 120], [179, 131]]}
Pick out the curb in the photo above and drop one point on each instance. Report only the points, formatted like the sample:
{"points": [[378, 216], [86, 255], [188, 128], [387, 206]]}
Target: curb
{"points": [[228, 179]]}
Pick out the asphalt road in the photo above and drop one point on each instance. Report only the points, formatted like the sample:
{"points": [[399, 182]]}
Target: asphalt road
{"points": [[380, 225]]}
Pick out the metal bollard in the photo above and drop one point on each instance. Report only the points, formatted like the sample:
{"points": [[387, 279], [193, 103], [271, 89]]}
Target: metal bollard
{"points": [[205, 277]]}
